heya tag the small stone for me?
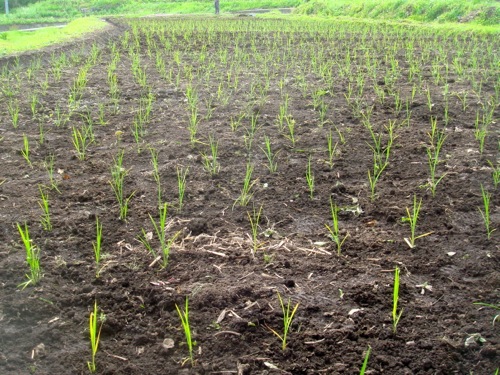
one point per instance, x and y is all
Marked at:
(168, 343)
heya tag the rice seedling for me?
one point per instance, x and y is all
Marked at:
(118, 174)
(271, 157)
(184, 317)
(331, 148)
(211, 162)
(26, 150)
(95, 335)
(160, 229)
(437, 138)
(44, 84)
(495, 173)
(60, 119)
(34, 104)
(283, 113)
(246, 195)
(101, 114)
(248, 140)
(365, 361)
(49, 167)
(310, 178)
(181, 184)
(480, 132)
(412, 217)
(290, 124)
(13, 109)
(380, 154)
(334, 231)
(341, 135)
(41, 130)
(32, 257)
(485, 212)
(44, 205)
(235, 122)
(287, 321)
(193, 125)
(396, 316)
(81, 141)
(254, 219)
(97, 246)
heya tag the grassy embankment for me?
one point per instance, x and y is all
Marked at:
(18, 41)
(481, 12)
(64, 10)
(477, 15)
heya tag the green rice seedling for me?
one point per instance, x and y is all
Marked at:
(290, 124)
(101, 114)
(81, 142)
(26, 150)
(480, 132)
(287, 321)
(118, 174)
(412, 217)
(248, 139)
(433, 152)
(334, 229)
(235, 122)
(271, 157)
(156, 173)
(495, 174)
(97, 246)
(138, 131)
(193, 123)
(331, 148)
(380, 154)
(254, 219)
(429, 99)
(283, 113)
(13, 108)
(310, 178)
(341, 135)
(95, 335)
(395, 298)
(462, 97)
(49, 166)
(44, 205)
(145, 239)
(34, 103)
(210, 108)
(161, 233)
(245, 194)
(485, 214)
(32, 257)
(211, 162)
(365, 361)
(181, 184)
(60, 118)
(41, 130)
(44, 84)
(184, 316)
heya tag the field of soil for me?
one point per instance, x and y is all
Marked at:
(180, 89)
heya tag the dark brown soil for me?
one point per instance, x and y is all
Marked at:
(344, 301)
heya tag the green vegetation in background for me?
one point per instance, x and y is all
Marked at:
(17, 41)
(15, 4)
(64, 10)
(484, 12)
(476, 12)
